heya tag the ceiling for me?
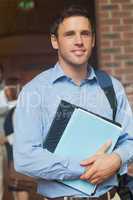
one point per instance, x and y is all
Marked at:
(15, 21)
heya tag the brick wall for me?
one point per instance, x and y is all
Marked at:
(115, 40)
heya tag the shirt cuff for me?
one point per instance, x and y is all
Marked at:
(124, 167)
(123, 155)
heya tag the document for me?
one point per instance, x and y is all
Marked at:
(82, 136)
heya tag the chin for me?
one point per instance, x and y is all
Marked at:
(81, 63)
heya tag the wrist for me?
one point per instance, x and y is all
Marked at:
(117, 159)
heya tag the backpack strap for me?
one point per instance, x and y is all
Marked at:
(106, 84)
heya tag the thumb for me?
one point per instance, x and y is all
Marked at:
(104, 148)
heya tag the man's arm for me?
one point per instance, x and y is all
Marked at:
(29, 155)
(100, 167)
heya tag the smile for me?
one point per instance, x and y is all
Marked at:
(78, 52)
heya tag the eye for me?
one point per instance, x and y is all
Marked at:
(86, 33)
(69, 33)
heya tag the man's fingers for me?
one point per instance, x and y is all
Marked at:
(95, 181)
(104, 148)
(88, 174)
(89, 161)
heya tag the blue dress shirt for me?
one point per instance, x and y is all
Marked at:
(36, 107)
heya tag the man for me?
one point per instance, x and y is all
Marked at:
(73, 80)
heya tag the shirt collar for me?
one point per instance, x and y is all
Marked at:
(58, 73)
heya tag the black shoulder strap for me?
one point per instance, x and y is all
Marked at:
(105, 83)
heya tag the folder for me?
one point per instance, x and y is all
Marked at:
(77, 133)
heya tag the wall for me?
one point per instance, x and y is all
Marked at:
(115, 43)
(24, 56)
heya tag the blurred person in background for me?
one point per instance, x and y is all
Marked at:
(11, 90)
(5, 104)
(2, 150)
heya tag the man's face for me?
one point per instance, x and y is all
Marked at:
(74, 41)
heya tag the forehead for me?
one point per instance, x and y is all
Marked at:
(75, 23)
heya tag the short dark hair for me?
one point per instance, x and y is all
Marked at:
(73, 10)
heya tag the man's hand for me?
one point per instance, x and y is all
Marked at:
(101, 166)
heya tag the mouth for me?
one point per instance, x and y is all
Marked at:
(78, 52)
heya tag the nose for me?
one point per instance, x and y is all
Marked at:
(78, 39)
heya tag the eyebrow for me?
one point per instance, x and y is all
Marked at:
(72, 32)
(89, 32)
(67, 33)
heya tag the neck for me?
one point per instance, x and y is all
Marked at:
(76, 73)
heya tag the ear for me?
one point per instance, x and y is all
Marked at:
(54, 42)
